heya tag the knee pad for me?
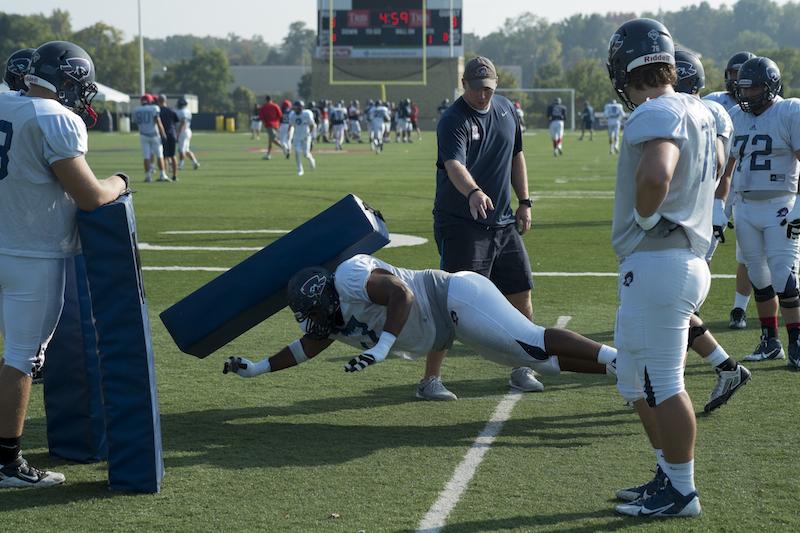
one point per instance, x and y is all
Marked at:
(763, 295)
(790, 297)
(695, 332)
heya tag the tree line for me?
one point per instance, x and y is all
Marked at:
(567, 53)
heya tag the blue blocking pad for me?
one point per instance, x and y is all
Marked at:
(76, 427)
(255, 289)
(133, 426)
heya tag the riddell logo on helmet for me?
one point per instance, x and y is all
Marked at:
(657, 58)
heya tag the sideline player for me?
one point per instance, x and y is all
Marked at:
(44, 179)
(661, 232)
(284, 127)
(727, 99)
(151, 131)
(337, 116)
(766, 213)
(614, 114)
(185, 134)
(378, 308)
(169, 120)
(354, 118)
(304, 129)
(556, 115)
(587, 120)
(378, 125)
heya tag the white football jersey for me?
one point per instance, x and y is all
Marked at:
(613, 112)
(184, 115)
(723, 98)
(37, 217)
(723, 123)
(764, 147)
(338, 115)
(688, 122)
(145, 117)
(380, 115)
(303, 123)
(364, 320)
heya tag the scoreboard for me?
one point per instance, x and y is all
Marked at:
(391, 28)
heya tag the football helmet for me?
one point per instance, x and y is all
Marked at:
(312, 297)
(181, 103)
(734, 64)
(17, 66)
(637, 43)
(691, 75)
(298, 105)
(758, 72)
(557, 100)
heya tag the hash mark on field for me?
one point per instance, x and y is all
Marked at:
(436, 517)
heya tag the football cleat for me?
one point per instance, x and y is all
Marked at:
(794, 356)
(19, 474)
(738, 319)
(645, 490)
(667, 502)
(728, 382)
(523, 379)
(768, 348)
(433, 389)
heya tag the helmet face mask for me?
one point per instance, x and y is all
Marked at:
(67, 70)
(313, 299)
(637, 43)
(757, 72)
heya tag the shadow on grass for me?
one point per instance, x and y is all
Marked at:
(603, 520)
(69, 493)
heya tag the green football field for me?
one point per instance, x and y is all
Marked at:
(313, 449)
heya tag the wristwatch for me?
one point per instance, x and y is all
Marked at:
(526, 201)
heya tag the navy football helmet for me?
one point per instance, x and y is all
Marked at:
(66, 69)
(313, 298)
(298, 105)
(758, 72)
(637, 43)
(17, 66)
(691, 74)
(734, 64)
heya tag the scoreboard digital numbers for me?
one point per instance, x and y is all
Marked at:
(393, 28)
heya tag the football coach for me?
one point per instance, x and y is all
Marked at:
(480, 170)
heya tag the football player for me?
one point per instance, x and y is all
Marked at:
(151, 131)
(727, 99)
(556, 115)
(354, 118)
(185, 134)
(614, 115)
(378, 125)
(283, 129)
(730, 374)
(17, 66)
(378, 308)
(766, 213)
(338, 115)
(661, 232)
(44, 179)
(304, 129)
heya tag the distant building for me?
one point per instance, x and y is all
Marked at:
(268, 79)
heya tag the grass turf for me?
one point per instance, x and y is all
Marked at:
(315, 449)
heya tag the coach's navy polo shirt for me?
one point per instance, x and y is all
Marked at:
(485, 144)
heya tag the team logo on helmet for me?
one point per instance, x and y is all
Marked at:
(615, 43)
(19, 65)
(685, 70)
(773, 74)
(654, 34)
(313, 286)
(77, 67)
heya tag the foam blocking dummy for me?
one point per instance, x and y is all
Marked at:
(255, 289)
(76, 428)
(130, 401)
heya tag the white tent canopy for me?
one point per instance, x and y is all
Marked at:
(107, 94)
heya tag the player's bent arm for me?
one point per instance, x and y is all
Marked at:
(291, 355)
(384, 288)
(654, 173)
(81, 184)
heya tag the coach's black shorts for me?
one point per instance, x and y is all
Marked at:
(497, 253)
(169, 145)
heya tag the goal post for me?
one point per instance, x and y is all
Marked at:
(563, 90)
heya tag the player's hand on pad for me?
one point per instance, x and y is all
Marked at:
(360, 362)
(240, 366)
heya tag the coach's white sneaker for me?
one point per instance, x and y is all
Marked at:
(523, 379)
(19, 474)
(433, 389)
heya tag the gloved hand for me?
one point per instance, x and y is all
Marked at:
(792, 221)
(240, 366)
(719, 220)
(360, 362)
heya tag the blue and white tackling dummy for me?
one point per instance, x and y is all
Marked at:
(378, 308)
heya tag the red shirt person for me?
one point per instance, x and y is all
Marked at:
(270, 114)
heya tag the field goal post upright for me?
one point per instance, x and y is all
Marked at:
(379, 83)
(550, 90)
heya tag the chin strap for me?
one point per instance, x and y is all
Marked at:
(89, 116)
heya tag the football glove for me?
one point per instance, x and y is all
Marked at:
(239, 366)
(719, 219)
(360, 362)
(792, 221)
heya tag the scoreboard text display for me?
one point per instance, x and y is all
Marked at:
(370, 28)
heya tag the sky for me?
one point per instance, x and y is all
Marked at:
(271, 18)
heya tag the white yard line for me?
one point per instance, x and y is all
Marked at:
(436, 518)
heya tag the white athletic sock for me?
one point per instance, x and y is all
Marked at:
(741, 301)
(717, 357)
(660, 461)
(606, 354)
(681, 475)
